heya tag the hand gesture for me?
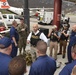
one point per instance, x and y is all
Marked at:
(55, 34)
(28, 41)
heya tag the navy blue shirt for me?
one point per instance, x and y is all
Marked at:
(68, 68)
(4, 62)
(14, 33)
(44, 65)
(72, 38)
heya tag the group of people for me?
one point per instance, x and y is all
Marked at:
(17, 65)
(18, 35)
(9, 48)
(58, 37)
(11, 64)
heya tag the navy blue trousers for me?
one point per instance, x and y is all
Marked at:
(69, 54)
(14, 50)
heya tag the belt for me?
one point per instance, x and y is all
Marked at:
(63, 40)
(54, 41)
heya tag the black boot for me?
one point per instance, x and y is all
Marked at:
(63, 56)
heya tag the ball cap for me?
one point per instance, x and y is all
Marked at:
(5, 42)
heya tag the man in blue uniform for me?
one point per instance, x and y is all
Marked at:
(44, 65)
(14, 37)
(68, 68)
(5, 50)
(72, 40)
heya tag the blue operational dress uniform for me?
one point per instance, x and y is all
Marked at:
(68, 68)
(14, 33)
(4, 62)
(5, 58)
(72, 41)
(44, 65)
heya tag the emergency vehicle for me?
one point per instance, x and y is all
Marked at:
(46, 18)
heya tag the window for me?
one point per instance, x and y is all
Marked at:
(10, 16)
(4, 16)
(16, 17)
